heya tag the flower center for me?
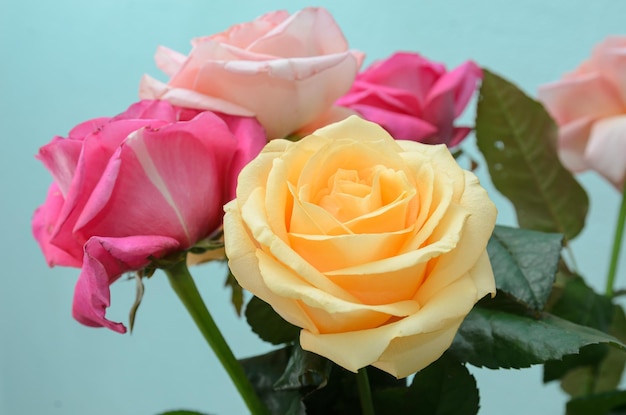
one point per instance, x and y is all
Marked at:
(351, 194)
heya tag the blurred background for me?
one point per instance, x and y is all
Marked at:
(66, 61)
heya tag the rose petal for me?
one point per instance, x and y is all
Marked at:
(456, 88)
(293, 85)
(150, 88)
(60, 157)
(588, 96)
(169, 61)
(472, 243)
(400, 126)
(255, 220)
(43, 224)
(329, 313)
(572, 143)
(243, 261)
(292, 37)
(425, 331)
(96, 151)
(606, 151)
(105, 260)
(152, 172)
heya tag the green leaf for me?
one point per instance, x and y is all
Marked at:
(236, 292)
(579, 304)
(445, 387)
(304, 371)
(516, 136)
(600, 404)
(270, 327)
(524, 263)
(602, 376)
(263, 371)
(495, 338)
(340, 395)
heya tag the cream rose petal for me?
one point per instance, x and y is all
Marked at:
(242, 260)
(255, 219)
(441, 315)
(473, 239)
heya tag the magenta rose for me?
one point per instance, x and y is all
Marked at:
(146, 183)
(589, 106)
(414, 98)
(286, 70)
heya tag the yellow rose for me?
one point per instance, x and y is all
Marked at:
(374, 247)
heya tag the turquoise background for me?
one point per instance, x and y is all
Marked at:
(63, 62)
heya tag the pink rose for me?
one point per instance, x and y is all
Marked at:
(286, 70)
(589, 106)
(414, 98)
(146, 183)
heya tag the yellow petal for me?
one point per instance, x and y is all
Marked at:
(437, 319)
(472, 243)
(330, 313)
(244, 265)
(328, 253)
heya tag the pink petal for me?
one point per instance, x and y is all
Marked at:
(461, 82)
(573, 138)
(243, 34)
(449, 97)
(43, 223)
(60, 157)
(149, 109)
(284, 94)
(169, 61)
(458, 135)
(172, 177)
(408, 72)
(96, 152)
(612, 65)
(384, 97)
(250, 141)
(83, 129)
(606, 151)
(150, 88)
(587, 95)
(308, 32)
(399, 126)
(105, 260)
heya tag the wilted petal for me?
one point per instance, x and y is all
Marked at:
(105, 260)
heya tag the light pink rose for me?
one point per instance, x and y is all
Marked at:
(147, 183)
(284, 69)
(414, 98)
(589, 106)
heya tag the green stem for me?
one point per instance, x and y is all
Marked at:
(617, 245)
(365, 393)
(184, 286)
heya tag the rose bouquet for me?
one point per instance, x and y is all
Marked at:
(372, 257)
